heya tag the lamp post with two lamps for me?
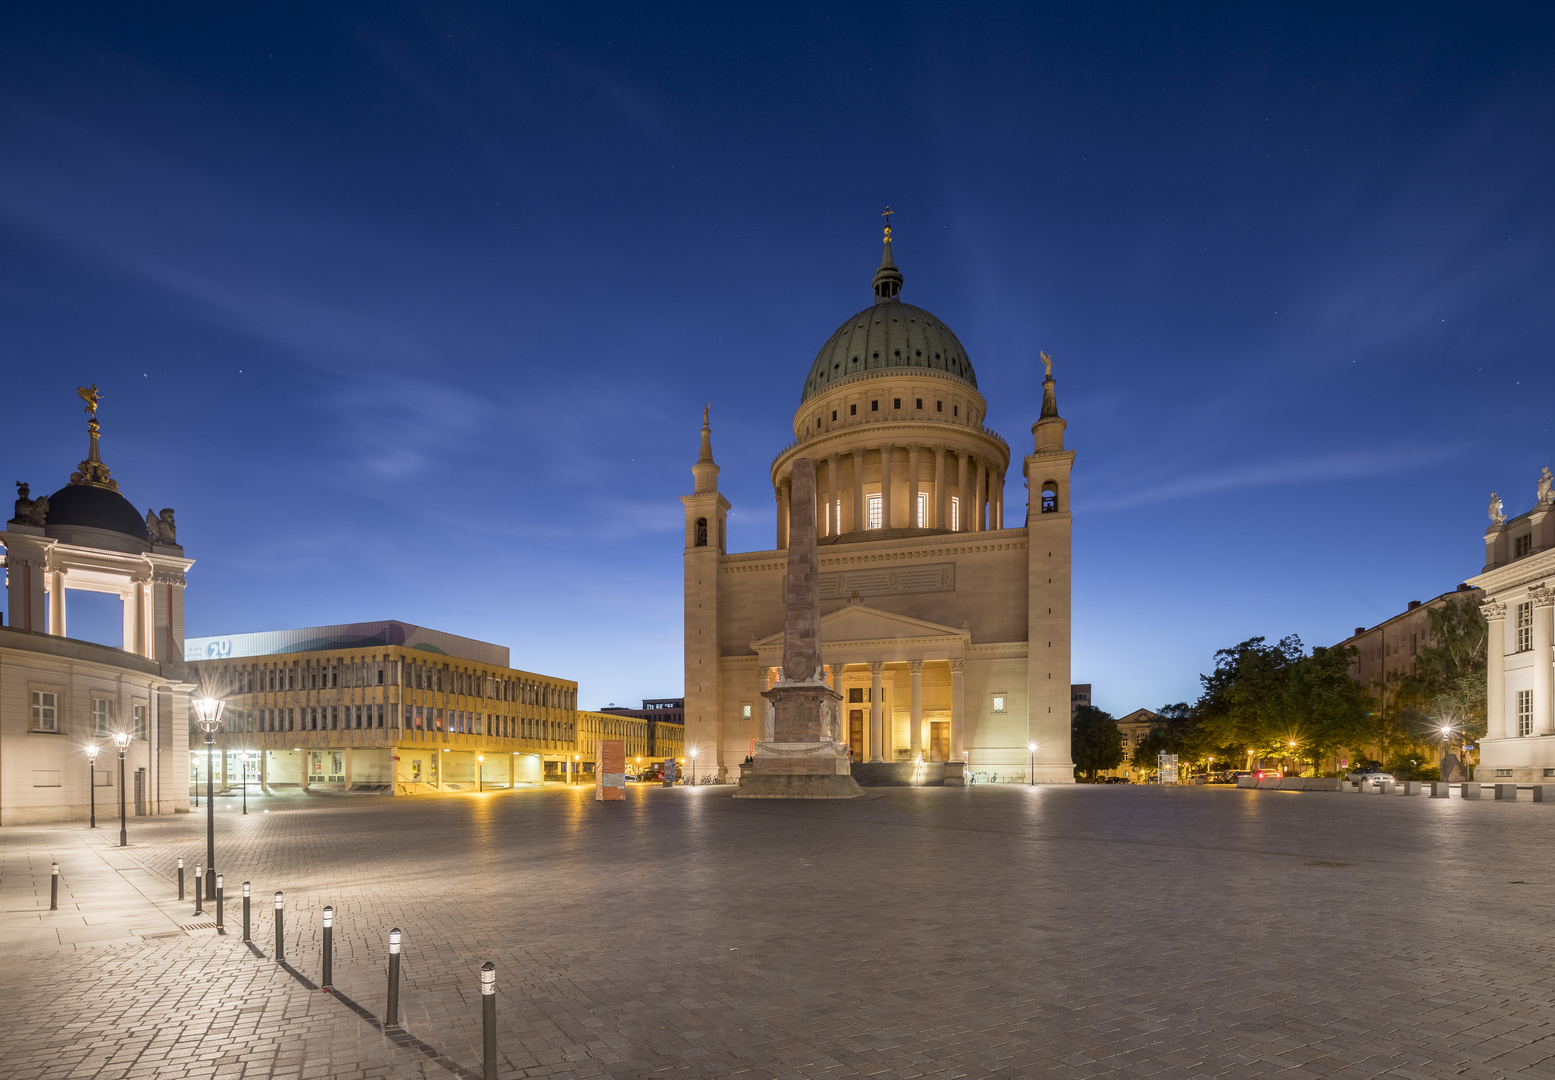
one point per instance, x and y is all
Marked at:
(208, 712)
(91, 778)
(122, 741)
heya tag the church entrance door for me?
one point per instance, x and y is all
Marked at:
(939, 740)
(856, 733)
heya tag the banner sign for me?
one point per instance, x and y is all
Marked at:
(669, 770)
(610, 771)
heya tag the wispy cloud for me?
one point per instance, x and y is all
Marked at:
(1280, 472)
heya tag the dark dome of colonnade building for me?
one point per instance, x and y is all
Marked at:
(888, 334)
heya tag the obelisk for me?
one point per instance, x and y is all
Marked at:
(801, 757)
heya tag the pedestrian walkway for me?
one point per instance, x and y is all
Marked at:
(106, 897)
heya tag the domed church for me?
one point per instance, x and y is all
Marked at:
(945, 624)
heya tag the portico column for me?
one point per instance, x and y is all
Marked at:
(961, 491)
(833, 515)
(915, 721)
(856, 511)
(941, 490)
(784, 488)
(957, 709)
(1496, 724)
(912, 487)
(885, 485)
(980, 497)
(875, 733)
(57, 603)
(998, 502)
(1543, 673)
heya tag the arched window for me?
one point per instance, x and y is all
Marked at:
(701, 540)
(1050, 497)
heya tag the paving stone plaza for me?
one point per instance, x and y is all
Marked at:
(988, 931)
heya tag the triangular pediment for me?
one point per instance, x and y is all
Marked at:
(860, 622)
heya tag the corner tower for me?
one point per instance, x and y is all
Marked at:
(707, 513)
(1049, 525)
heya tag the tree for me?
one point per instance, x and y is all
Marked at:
(1095, 743)
(1448, 682)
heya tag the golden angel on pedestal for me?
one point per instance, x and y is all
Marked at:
(91, 397)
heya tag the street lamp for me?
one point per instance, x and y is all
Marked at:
(91, 778)
(208, 711)
(479, 759)
(1033, 748)
(693, 753)
(245, 781)
(122, 741)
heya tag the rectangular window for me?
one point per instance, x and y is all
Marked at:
(955, 410)
(874, 512)
(1414, 644)
(102, 716)
(1523, 545)
(834, 416)
(896, 403)
(874, 406)
(853, 410)
(955, 514)
(138, 719)
(939, 406)
(1525, 712)
(1525, 626)
(855, 695)
(745, 712)
(923, 509)
(919, 404)
(998, 703)
(45, 710)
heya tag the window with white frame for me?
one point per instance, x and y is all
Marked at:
(998, 703)
(45, 710)
(1525, 712)
(1525, 626)
(955, 514)
(923, 509)
(875, 510)
(102, 716)
(138, 719)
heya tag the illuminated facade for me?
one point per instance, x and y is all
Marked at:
(384, 706)
(945, 620)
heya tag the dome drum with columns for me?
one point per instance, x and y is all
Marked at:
(945, 619)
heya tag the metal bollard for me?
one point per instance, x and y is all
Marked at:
(329, 949)
(391, 1015)
(199, 893)
(489, 1017)
(280, 916)
(245, 911)
(180, 879)
(221, 904)
(54, 888)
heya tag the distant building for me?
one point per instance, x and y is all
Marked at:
(1388, 650)
(384, 706)
(1134, 728)
(1079, 694)
(666, 720)
(1519, 668)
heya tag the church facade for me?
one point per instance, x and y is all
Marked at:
(945, 618)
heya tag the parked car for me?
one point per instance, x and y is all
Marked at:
(1116, 780)
(1370, 775)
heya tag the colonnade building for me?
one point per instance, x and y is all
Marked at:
(61, 697)
(945, 623)
(383, 706)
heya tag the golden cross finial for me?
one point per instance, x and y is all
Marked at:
(887, 216)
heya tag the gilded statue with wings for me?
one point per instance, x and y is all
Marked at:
(91, 397)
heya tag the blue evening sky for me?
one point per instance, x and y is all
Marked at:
(410, 311)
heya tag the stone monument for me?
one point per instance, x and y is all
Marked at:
(800, 755)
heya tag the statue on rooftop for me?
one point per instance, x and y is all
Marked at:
(1497, 512)
(29, 511)
(162, 529)
(1546, 482)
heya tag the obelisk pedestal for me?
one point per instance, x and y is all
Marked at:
(800, 756)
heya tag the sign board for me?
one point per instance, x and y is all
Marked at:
(669, 770)
(1168, 766)
(610, 771)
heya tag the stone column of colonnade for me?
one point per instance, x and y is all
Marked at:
(912, 487)
(856, 510)
(1543, 672)
(1497, 725)
(784, 493)
(941, 510)
(915, 715)
(876, 722)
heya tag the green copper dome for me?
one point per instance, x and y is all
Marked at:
(888, 334)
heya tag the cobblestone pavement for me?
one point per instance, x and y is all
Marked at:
(991, 931)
